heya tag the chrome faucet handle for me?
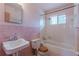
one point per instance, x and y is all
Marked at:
(15, 36)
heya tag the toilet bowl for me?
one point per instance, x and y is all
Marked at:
(36, 44)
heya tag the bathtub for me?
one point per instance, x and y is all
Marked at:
(54, 50)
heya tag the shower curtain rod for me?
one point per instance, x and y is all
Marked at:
(58, 10)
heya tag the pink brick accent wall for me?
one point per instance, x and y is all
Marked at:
(25, 32)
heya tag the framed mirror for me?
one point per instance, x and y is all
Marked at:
(13, 13)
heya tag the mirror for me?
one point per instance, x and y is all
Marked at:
(13, 13)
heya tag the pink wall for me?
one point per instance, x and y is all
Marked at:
(25, 31)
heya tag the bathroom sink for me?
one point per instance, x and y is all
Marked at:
(14, 46)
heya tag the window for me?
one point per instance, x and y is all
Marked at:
(42, 24)
(61, 19)
(53, 20)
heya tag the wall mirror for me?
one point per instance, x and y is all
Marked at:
(13, 13)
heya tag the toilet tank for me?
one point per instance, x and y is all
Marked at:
(35, 43)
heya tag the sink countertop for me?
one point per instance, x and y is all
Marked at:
(14, 46)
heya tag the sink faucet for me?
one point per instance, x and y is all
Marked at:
(13, 37)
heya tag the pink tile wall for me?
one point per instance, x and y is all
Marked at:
(24, 32)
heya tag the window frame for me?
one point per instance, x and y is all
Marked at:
(57, 19)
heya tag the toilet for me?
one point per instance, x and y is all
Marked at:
(38, 45)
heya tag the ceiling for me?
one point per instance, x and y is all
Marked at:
(45, 6)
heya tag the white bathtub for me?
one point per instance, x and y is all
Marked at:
(59, 51)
